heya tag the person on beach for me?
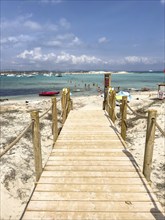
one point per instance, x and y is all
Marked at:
(99, 90)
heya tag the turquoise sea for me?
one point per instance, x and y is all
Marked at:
(30, 85)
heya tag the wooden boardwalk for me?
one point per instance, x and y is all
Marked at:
(90, 175)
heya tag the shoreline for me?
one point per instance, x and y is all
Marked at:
(82, 92)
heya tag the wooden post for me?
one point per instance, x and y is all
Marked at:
(107, 83)
(54, 120)
(113, 104)
(123, 113)
(36, 143)
(149, 144)
(68, 101)
(108, 104)
(63, 104)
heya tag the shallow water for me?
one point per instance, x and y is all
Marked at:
(18, 86)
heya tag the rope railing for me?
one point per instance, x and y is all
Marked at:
(36, 131)
(160, 129)
(151, 126)
(143, 116)
(15, 141)
(137, 114)
(149, 143)
(41, 116)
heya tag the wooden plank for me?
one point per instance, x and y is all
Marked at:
(90, 188)
(91, 163)
(88, 137)
(108, 142)
(36, 215)
(90, 174)
(90, 145)
(86, 153)
(84, 130)
(94, 180)
(88, 142)
(91, 158)
(97, 206)
(93, 196)
(91, 168)
(82, 150)
(84, 115)
(89, 122)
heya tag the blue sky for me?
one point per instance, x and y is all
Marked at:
(87, 34)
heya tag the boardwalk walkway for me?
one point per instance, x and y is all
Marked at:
(90, 175)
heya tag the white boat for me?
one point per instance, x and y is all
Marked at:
(58, 74)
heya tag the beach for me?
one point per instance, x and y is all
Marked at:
(17, 165)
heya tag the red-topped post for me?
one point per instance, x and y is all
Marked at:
(107, 84)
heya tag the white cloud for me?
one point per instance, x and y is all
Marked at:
(26, 54)
(75, 41)
(136, 59)
(65, 37)
(64, 23)
(9, 40)
(32, 25)
(25, 24)
(16, 39)
(162, 1)
(37, 55)
(72, 59)
(53, 43)
(133, 60)
(65, 40)
(102, 40)
(51, 27)
(15, 23)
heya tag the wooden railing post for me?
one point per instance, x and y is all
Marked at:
(68, 101)
(123, 112)
(108, 103)
(63, 104)
(36, 143)
(113, 104)
(54, 120)
(149, 144)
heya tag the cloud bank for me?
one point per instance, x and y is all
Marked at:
(37, 56)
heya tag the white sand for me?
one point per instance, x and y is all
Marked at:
(17, 166)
